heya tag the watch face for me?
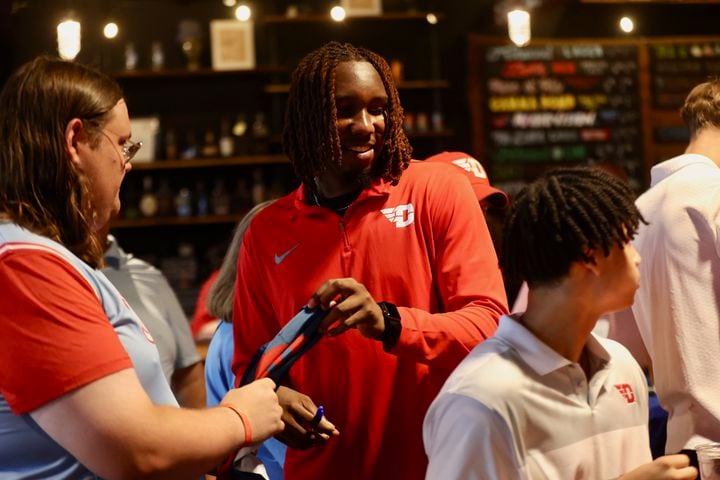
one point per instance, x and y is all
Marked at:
(390, 310)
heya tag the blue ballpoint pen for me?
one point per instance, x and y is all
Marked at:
(318, 416)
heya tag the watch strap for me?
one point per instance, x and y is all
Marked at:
(393, 325)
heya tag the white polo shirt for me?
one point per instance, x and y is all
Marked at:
(514, 408)
(677, 307)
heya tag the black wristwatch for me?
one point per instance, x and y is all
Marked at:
(392, 325)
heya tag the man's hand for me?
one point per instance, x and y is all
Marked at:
(260, 403)
(351, 306)
(668, 467)
(298, 412)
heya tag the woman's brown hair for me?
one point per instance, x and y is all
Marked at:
(40, 188)
(220, 298)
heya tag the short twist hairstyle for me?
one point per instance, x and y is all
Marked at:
(310, 137)
(559, 218)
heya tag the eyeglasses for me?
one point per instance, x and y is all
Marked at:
(129, 148)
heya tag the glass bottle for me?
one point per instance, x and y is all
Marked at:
(187, 266)
(240, 131)
(171, 148)
(227, 144)
(258, 187)
(219, 198)
(149, 204)
(157, 56)
(191, 148)
(131, 57)
(130, 202)
(166, 202)
(260, 133)
(202, 203)
(183, 202)
(210, 146)
(242, 198)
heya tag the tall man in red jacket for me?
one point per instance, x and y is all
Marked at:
(397, 251)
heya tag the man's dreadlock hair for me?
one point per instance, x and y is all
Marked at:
(310, 137)
(558, 218)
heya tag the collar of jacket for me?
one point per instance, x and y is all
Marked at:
(377, 188)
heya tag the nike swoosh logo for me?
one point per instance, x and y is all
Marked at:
(280, 258)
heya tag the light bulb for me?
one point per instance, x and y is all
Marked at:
(229, 3)
(243, 13)
(337, 14)
(627, 25)
(519, 27)
(68, 39)
(431, 18)
(110, 30)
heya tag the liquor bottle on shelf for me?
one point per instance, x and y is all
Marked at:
(227, 144)
(210, 146)
(131, 57)
(437, 120)
(276, 189)
(130, 202)
(409, 122)
(157, 56)
(191, 147)
(181, 271)
(183, 202)
(422, 122)
(148, 202)
(241, 197)
(260, 134)
(258, 188)
(166, 202)
(202, 203)
(240, 132)
(219, 198)
(171, 148)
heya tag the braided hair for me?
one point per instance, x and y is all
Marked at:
(310, 137)
(555, 220)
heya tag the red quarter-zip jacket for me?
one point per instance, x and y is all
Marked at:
(423, 245)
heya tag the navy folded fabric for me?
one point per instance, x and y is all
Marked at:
(274, 359)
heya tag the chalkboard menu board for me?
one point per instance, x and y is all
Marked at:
(553, 104)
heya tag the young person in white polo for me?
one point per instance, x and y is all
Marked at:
(545, 398)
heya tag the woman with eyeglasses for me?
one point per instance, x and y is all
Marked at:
(82, 392)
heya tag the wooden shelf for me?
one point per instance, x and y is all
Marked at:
(404, 85)
(319, 17)
(199, 73)
(175, 221)
(210, 162)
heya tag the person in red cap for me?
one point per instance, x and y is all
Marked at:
(492, 200)
(487, 195)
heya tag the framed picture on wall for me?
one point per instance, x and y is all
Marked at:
(361, 7)
(232, 45)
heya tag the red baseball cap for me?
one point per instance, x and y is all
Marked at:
(477, 176)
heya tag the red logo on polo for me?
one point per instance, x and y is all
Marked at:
(626, 391)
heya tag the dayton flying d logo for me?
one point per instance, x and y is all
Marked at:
(401, 216)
